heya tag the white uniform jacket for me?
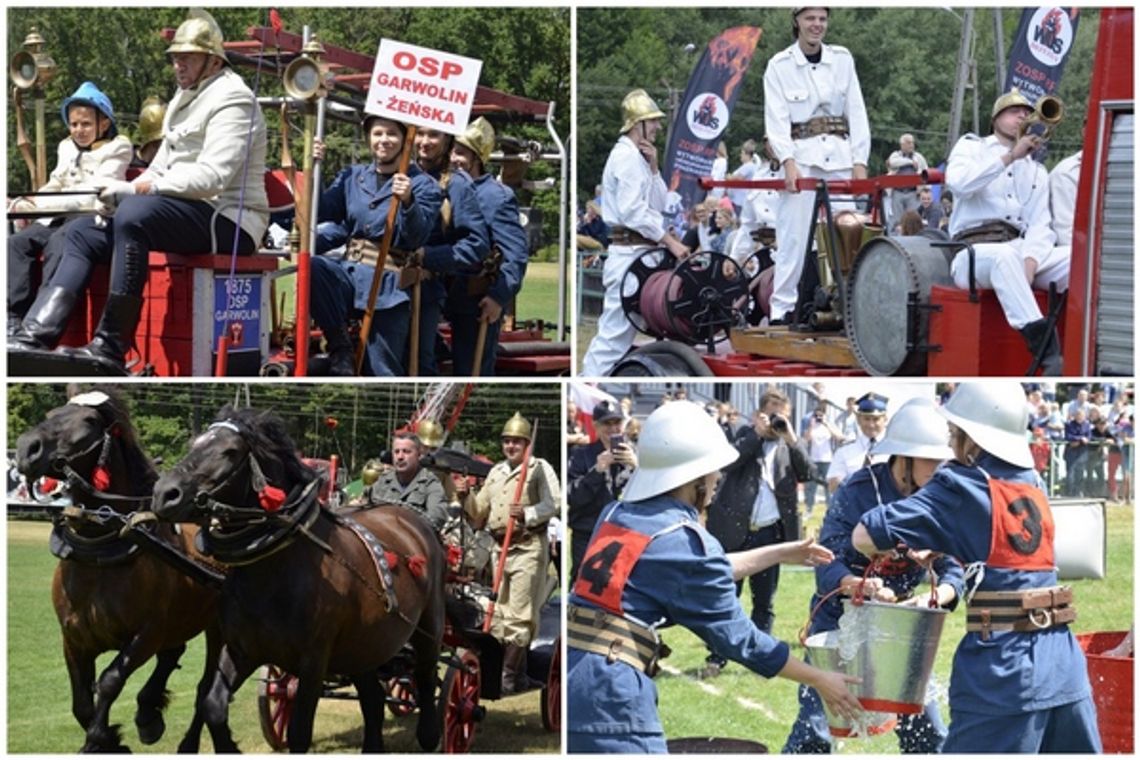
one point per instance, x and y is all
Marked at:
(541, 496)
(208, 152)
(986, 190)
(851, 457)
(796, 90)
(632, 196)
(77, 169)
(1063, 182)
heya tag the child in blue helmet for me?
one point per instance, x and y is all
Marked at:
(93, 152)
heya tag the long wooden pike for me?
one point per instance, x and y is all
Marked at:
(502, 564)
(385, 245)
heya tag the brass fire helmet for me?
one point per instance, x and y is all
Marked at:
(198, 34)
(638, 106)
(430, 433)
(517, 427)
(371, 472)
(150, 120)
(480, 138)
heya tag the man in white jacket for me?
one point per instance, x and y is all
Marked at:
(817, 126)
(1001, 206)
(633, 199)
(206, 179)
(93, 152)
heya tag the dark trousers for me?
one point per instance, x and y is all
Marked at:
(145, 223)
(1076, 462)
(24, 268)
(432, 296)
(333, 295)
(464, 336)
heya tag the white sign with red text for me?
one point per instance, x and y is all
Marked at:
(425, 87)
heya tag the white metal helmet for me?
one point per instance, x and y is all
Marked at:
(679, 443)
(993, 413)
(917, 430)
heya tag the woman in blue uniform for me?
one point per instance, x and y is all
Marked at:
(650, 564)
(358, 199)
(916, 444)
(1019, 681)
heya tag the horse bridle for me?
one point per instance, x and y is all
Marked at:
(210, 503)
(63, 465)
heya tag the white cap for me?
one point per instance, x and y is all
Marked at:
(679, 443)
(993, 413)
(917, 430)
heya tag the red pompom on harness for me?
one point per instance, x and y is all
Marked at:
(417, 564)
(271, 498)
(100, 478)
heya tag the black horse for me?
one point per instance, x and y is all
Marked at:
(311, 592)
(109, 594)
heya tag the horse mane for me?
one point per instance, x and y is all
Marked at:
(268, 436)
(114, 412)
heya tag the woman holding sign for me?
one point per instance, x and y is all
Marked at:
(358, 199)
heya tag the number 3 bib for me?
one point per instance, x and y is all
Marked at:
(1022, 529)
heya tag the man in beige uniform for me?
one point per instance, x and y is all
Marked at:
(517, 607)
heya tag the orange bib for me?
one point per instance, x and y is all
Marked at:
(1021, 536)
(609, 559)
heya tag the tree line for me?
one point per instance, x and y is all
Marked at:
(353, 421)
(906, 59)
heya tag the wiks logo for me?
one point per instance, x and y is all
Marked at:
(707, 115)
(1049, 35)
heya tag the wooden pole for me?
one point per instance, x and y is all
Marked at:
(501, 565)
(385, 245)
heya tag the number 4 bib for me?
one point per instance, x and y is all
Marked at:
(610, 557)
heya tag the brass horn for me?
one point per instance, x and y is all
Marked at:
(1048, 113)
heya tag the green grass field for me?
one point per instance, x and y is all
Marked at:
(39, 701)
(742, 705)
(538, 298)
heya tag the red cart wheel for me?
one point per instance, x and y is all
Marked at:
(401, 695)
(459, 708)
(552, 692)
(276, 691)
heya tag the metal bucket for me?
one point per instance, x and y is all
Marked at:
(892, 648)
(823, 649)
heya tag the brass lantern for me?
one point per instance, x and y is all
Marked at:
(32, 68)
(304, 77)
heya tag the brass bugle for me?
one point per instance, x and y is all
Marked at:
(1048, 113)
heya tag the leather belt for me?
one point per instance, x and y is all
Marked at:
(626, 236)
(479, 284)
(764, 235)
(367, 252)
(820, 125)
(990, 232)
(615, 638)
(1027, 611)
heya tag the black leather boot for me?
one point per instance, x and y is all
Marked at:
(115, 334)
(45, 321)
(1037, 335)
(342, 360)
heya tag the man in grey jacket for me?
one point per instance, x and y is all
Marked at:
(409, 484)
(204, 192)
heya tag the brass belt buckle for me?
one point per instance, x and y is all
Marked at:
(615, 647)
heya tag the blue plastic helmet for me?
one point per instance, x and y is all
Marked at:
(90, 95)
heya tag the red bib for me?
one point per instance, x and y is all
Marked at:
(609, 559)
(1021, 536)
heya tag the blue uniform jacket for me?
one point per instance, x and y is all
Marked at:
(682, 578)
(856, 496)
(501, 212)
(357, 201)
(1012, 672)
(464, 244)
